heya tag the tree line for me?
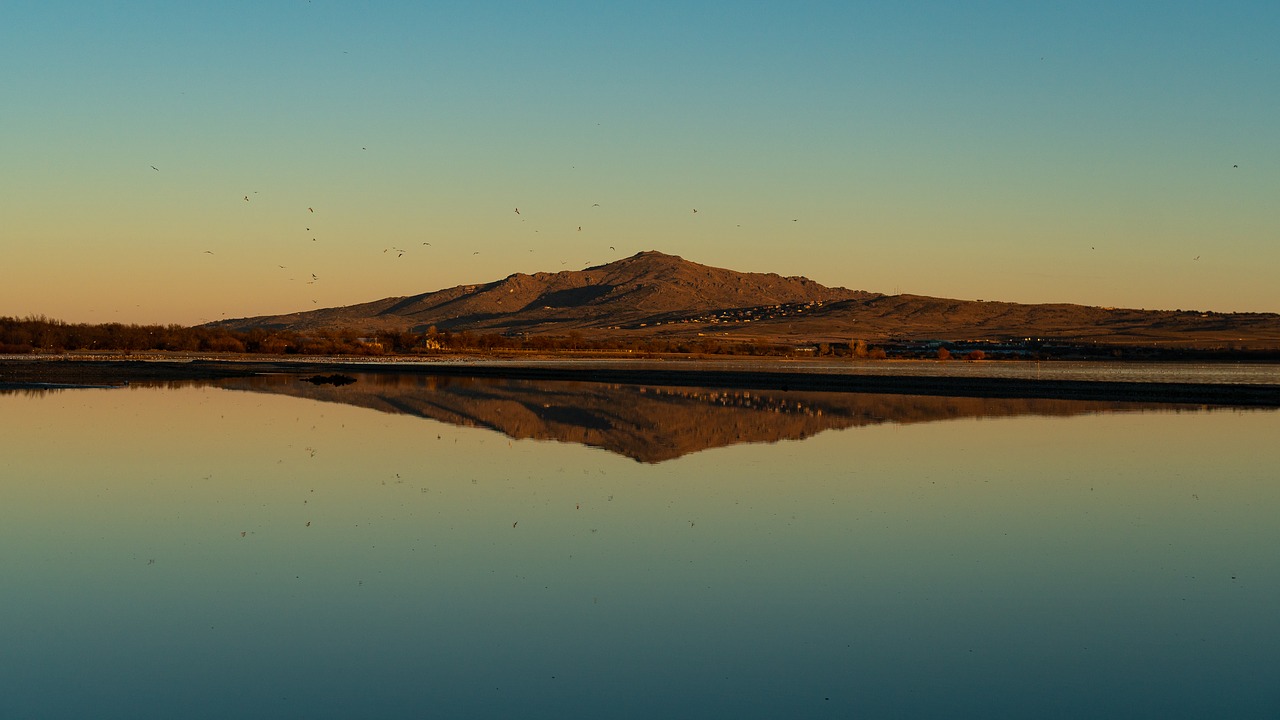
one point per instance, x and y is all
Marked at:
(39, 334)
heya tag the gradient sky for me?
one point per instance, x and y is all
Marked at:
(1034, 152)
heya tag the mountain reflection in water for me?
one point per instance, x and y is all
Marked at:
(653, 424)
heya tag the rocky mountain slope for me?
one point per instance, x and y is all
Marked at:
(652, 293)
(629, 293)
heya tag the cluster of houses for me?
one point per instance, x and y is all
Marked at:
(743, 315)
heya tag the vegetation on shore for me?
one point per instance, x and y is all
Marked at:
(42, 335)
(45, 335)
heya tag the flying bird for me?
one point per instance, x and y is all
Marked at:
(153, 167)
(208, 252)
(595, 204)
(246, 198)
(311, 209)
(517, 211)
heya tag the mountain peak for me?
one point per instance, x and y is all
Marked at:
(647, 287)
(654, 293)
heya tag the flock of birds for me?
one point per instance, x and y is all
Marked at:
(400, 252)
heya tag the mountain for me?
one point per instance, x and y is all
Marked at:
(634, 292)
(652, 293)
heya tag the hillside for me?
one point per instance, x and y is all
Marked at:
(629, 293)
(654, 294)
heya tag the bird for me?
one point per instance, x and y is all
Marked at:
(426, 243)
(595, 204)
(477, 252)
(612, 247)
(1196, 257)
(695, 210)
(208, 252)
(153, 167)
(1235, 166)
(246, 198)
(311, 209)
(517, 211)
(579, 228)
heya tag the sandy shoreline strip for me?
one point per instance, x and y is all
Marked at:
(60, 373)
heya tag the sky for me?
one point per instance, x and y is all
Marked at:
(1118, 154)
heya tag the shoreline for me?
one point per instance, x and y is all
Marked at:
(33, 373)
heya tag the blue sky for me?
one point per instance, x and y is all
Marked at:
(1081, 152)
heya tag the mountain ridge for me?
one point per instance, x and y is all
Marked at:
(647, 285)
(656, 294)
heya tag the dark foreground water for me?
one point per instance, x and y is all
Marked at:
(406, 547)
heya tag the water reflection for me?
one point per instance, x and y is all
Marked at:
(653, 424)
(192, 552)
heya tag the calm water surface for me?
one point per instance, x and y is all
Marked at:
(491, 549)
(1168, 372)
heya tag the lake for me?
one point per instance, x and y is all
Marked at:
(446, 547)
